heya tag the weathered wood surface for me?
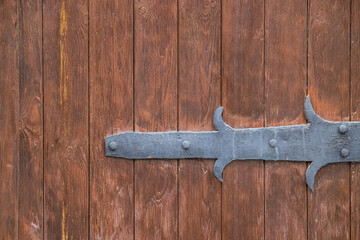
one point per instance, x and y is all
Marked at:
(285, 80)
(111, 111)
(199, 60)
(155, 86)
(355, 114)
(328, 84)
(243, 101)
(73, 72)
(9, 117)
(66, 117)
(31, 121)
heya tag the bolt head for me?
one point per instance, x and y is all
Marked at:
(273, 143)
(112, 146)
(185, 145)
(344, 152)
(343, 129)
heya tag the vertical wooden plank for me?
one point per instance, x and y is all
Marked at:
(329, 26)
(111, 111)
(31, 121)
(155, 110)
(9, 109)
(355, 114)
(66, 119)
(285, 91)
(243, 97)
(199, 96)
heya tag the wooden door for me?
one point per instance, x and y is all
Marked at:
(74, 72)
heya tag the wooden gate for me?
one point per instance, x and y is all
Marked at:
(73, 72)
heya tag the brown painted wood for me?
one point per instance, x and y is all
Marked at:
(156, 110)
(31, 121)
(199, 96)
(329, 31)
(285, 80)
(111, 111)
(242, 98)
(66, 119)
(9, 116)
(355, 114)
(169, 199)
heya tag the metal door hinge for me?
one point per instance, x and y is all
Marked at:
(320, 142)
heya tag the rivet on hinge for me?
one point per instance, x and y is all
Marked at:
(343, 129)
(186, 145)
(344, 152)
(112, 146)
(273, 143)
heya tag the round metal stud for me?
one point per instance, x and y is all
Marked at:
(112, 146)
(344, 152)
(185, 145)
(343, 129)
(273, 143)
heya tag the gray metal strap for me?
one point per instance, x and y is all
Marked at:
(320, 142)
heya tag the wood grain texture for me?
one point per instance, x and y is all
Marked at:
(242, 98)
(156, 110)
(9, 116)
(58, 101)
(285, 81)
(355, 114)
(199, 96)
(328, 83)
(31, 121)
(66, 119)
(111, 111)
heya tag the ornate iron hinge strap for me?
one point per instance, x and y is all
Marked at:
(320, 142)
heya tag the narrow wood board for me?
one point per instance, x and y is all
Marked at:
(31, 121)
(243, 101)
(66, 119)
(155, 86)
(328, 83)
(199, 96)
(111, 111)
(355, 114)
(285, 81)
(9, 117)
